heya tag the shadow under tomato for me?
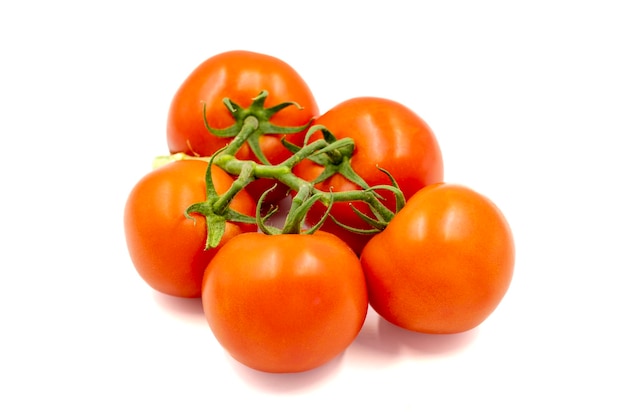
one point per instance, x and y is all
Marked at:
(422, 343)
(280, 383)
(183, 308)
(382, 343)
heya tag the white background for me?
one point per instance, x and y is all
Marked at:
(527, 99)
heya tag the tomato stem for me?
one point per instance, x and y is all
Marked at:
(283, 173)
(249, 126)
(331, 153)
(295, 217)
(245, 177)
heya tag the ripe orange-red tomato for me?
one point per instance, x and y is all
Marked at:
(386, 134)
(167, 248)
(285, 303)
(239, 76)
(443, 264)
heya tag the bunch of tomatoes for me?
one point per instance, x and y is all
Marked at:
(369, 220)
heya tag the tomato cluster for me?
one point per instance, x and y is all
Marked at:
(371, 220)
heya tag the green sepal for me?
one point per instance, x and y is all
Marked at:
(293, 148)
(216, 227)
(228, 132)
(380, 222)
(216, 223)
(395, 189)
(234, 216)
(263, 115)
(377, 224)
(216, 209)
(355, 229)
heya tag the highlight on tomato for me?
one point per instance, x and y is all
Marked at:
(285, 303)
(239, 76)
(166, 247)
(443, 264)
(386, 135)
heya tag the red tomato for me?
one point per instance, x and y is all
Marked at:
(285, 303)
(166, 247)
(443, 264)
(386, 134)
(240, 76)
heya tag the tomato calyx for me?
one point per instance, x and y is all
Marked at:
(381, 217)
(335, 158)
(216, 208)
(252, 123)
(295, 218)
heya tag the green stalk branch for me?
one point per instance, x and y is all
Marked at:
(333, 154)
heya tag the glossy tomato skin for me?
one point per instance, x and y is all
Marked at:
(285, 303)
(443, 264)
(240, 76)
(166, 248)
(388, 135)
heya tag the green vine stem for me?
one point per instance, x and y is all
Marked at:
(334, 154)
